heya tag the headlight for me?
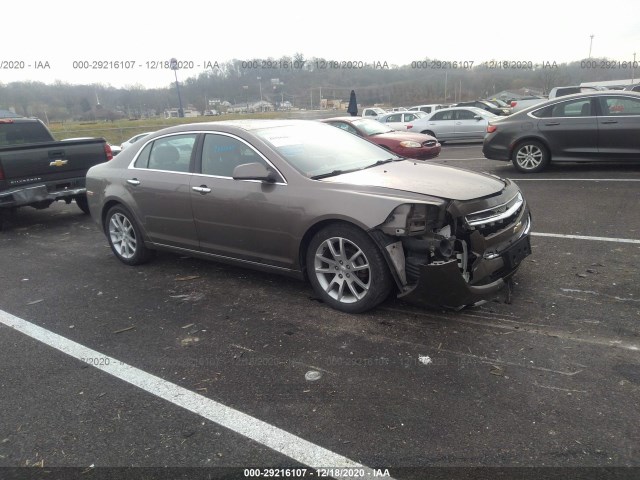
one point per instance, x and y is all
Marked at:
(410, 144)
(413, 219)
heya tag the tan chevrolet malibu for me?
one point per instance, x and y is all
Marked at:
(308, 200)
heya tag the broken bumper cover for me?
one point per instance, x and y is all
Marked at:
(442, 284)
(33, 194)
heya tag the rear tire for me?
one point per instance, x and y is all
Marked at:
(125, 237)
(347, 269)
(530, 156)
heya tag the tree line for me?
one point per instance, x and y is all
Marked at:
(301, 83)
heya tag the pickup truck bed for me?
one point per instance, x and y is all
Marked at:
(36, 170)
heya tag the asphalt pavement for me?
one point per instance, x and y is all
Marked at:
(549, 377)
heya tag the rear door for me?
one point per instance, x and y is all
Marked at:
(570, 128)
(442, 124)
(467, 126)
(159, 183)
(394, 122)
(618, 127)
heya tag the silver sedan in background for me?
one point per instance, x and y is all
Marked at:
(401, 120)
(455, 123)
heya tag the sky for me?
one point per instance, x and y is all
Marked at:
(75, 43)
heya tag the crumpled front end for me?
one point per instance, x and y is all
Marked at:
(459, 253)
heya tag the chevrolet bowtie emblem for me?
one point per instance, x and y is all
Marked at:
(58, 163)
(517, 227)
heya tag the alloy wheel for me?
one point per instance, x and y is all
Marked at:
(342, 270)
(123, 236)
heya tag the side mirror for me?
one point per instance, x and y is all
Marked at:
(478, 117)
(254, 171)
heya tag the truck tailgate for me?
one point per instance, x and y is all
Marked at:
(27, 164)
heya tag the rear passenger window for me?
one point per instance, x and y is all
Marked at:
(143, 158)
(576, 108)
(171, 153)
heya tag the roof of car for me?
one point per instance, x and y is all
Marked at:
(346, 119)
(248, 124)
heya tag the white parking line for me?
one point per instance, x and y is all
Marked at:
(279, 440)
(585, 237)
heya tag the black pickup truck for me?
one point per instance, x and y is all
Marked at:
(36, 170)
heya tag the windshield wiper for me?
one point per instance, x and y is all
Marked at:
(333, 173)
(382, 162)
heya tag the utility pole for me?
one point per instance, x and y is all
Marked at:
(633, 68)
(591, 44)
(445, 86)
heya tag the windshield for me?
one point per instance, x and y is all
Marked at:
(483, 113)
(498, 102)
(317, 149)
(371, 127)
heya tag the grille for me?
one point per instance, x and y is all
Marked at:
(497, 218)
(429, 143)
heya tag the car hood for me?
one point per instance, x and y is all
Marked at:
(401, 136)
(426, 179)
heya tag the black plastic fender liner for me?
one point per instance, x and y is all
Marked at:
(442, 285)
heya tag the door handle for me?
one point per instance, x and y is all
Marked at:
(133, 181)
(607, 122)
(552, 123)
(203, 189)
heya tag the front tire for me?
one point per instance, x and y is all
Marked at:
(125, 238)
(347, 270)
(530, 156)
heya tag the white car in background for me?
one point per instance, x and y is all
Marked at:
(430, 108)
(457, 123)
(400, 120)
(134, 139)
(373, 112)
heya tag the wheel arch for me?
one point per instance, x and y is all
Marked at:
(316, 227)
(112, 202)
(535, 138)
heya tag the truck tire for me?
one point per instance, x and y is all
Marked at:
(83, 203)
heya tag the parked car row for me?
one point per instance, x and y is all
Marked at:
(406, 144)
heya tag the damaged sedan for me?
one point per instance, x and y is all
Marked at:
(311, 201)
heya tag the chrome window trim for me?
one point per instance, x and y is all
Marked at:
(132, 163)
(620, 95)
(252, 148)
(220, 177)
(197, 132)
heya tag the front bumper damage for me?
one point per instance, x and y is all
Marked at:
(463, 257)
(443, 285)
